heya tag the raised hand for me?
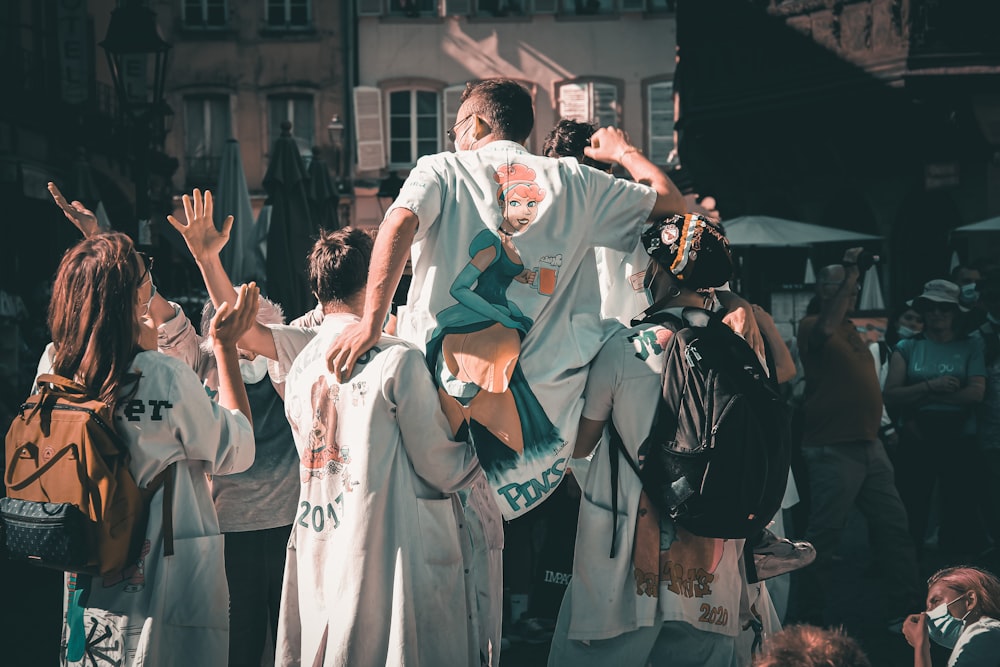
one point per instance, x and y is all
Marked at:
(608, 144)
(231, 322)
(200, 234)
(81, 217)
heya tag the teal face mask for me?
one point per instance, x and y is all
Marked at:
(942, 627)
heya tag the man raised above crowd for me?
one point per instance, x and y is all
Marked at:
(498, 238)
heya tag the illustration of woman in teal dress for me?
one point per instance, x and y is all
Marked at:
(475, 349)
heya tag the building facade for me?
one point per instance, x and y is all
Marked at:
(242, 67)
(609, 62)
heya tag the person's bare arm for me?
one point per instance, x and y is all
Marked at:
(784, 365)
(833, 311)
(611, 145)
(970, 394)
(206, 243)
(392, 247)
(897, 393)
(228, 325)
(740, 318)
(589, 434)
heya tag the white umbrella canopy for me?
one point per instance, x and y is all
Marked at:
(871, 292)
(990, 225)
(764, 231)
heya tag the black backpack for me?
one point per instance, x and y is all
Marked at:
(718, 453)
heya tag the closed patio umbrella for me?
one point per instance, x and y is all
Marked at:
(291, 230)
(322, 195)
(232, 197)
(871, 292)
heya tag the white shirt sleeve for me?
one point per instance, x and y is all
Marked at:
(177, 338)
(421, 193)
(618, 208)
(441, 461)
(221, 438)
(604, 374)
(288, 341)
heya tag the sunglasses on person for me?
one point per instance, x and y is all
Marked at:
(147, 264)
(451, 132)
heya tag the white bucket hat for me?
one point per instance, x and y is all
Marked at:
(941, 291)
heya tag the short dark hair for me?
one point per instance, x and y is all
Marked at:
(338, 264)
(505, 105)
(568, 139)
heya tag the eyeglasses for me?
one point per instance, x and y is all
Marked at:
(451, 132)
(147, 263)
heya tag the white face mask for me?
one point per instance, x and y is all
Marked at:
(906, 332)
(253, 371)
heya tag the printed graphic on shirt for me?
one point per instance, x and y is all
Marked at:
(323, 455)
(104, 642)
(474, 352)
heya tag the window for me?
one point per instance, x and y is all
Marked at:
(588, 7)
(206, 129)
(298, 110)
(414, 126)
(501, 8)
(660, 123)
(289, 13)
(590, 101)
(204, 13)
(413, 8)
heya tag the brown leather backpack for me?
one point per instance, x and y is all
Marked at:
(72, 503)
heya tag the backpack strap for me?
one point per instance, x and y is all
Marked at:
(165, 479)
(614, 445)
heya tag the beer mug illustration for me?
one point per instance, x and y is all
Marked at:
(545, 274)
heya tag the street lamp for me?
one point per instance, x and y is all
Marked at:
(133, 46)
(335, 132)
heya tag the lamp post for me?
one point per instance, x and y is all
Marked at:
(134, 47)
(341, 180)
(335, 132)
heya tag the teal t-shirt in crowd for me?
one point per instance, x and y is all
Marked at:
(925, 360)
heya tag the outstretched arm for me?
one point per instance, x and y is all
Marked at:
(392, 247)
(160, 310)
(609, 144)
(206, 243)
(228, 325)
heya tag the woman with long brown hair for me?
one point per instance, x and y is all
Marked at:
(160, 610)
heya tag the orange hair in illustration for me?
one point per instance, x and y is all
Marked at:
(517, 180)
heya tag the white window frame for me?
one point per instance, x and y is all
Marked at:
(203, 24)
(414, 138)
(287, 25)
(649, 122)
(577, 99)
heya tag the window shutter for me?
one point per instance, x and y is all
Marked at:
(457, 7)
(452, 99)
(660, 98)
(633, 5)
(368, 128)
(574, 102)
(546, 6)
(370, 8)
(605, 104)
